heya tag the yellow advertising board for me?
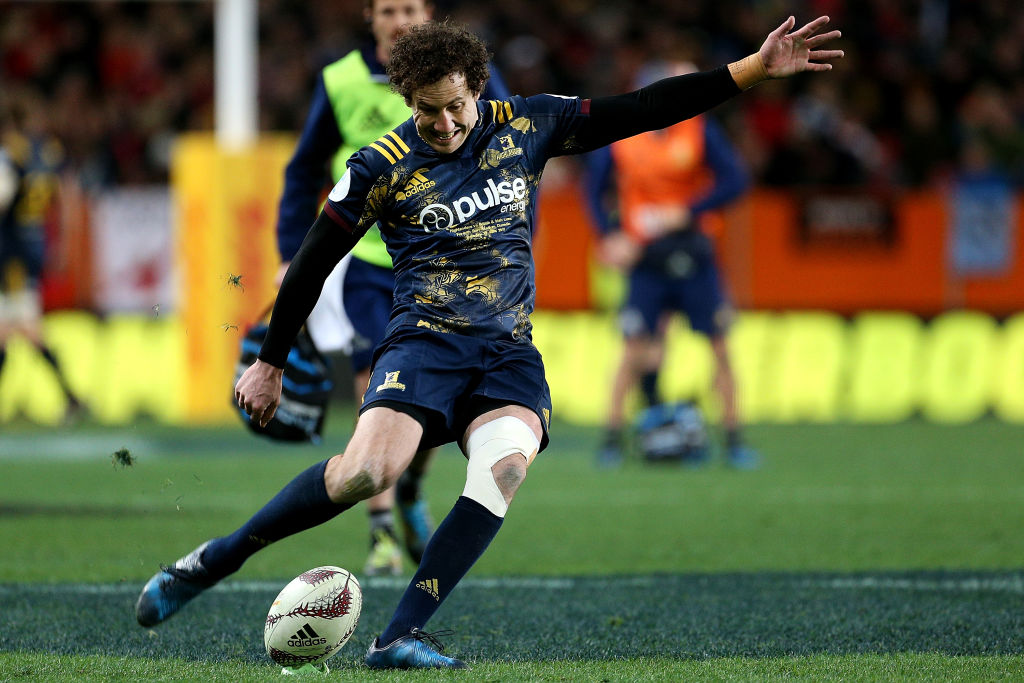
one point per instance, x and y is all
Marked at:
(225, 213)
(797, 367)
(791, 367)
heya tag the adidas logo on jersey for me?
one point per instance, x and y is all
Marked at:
(305, 637)
(417, 183)
(430, 586)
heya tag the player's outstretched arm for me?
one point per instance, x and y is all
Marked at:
(671, 100)
(786, 52)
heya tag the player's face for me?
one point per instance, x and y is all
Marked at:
(444, 112)
(390, 19)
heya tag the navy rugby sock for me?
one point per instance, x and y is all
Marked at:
(381, 520)
(48, 356)
(649, 388)
(302, 504)
(457, 544)
(407, 490)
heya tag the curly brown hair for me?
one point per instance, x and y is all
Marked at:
(431, 51)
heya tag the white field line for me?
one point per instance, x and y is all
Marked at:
(967, 584)
(80, 447)
(1006, 584)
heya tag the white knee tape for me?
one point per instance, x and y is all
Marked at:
(487, 446)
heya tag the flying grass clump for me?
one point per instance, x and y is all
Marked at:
(235, 281)
(122, 458)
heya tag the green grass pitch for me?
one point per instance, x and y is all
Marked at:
(856, 553)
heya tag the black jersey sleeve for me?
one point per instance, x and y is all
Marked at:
(659, 105)
(325, 244)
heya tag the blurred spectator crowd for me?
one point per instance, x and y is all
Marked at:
(929, 89)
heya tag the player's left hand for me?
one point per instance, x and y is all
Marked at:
(258, 391)
(784, 53)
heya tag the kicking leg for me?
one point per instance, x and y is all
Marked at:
(381, 447)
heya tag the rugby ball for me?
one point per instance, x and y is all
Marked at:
(313, 616)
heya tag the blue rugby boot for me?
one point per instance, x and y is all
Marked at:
(172, 587)
(609, 456)
(417, 527)
(610, 453)
(411, 652)
(385, 558)
(743, 458)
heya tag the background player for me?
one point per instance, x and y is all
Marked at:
(31, 162)
(458, 363)
(667, 181)
(352, 106)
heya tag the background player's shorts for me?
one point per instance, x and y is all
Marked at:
(677, 274)
(362, 289)
(368, 296)
(450, 379)
(328, 326)
(20, 307)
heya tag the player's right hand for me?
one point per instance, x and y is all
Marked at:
(258, 391)
(618, 250)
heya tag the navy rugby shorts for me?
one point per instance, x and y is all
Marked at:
(699, 296)
(447, 380)
(677, 272)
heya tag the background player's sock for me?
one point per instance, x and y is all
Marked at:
(733, 438)
(407, 490)
(613, 437)
(302, 504)
(3, 357)
(649, 388)
(47, 354)
(382, 520)
(457, 544)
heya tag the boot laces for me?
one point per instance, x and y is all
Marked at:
(434, 637)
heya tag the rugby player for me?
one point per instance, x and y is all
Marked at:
(31, 164)
(352, 106)
(667, 182)
(457, 363)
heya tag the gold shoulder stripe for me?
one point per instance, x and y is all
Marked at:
(502, 111)
(394, 136)
(383, 151)
(390, 145)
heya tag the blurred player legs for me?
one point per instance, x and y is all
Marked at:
(667, 182)
(31, 163)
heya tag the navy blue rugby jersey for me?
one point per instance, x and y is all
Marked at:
(459, 226)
